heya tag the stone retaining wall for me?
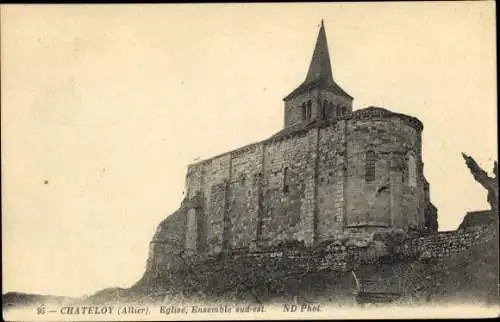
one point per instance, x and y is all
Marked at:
(229, 272)
(443, 244)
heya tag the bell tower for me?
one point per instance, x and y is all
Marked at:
(319, 97)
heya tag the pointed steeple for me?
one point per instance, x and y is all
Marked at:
(320, 67)
(319, 73)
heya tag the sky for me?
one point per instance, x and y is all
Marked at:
(104, 106)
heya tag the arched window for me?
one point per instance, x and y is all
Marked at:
(285, 180)
(308, 110)
(370, 166)
(412, 170)
(304, 114)
(323, 111)
(344, 110)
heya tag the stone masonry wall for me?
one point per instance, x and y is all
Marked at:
(330, 182)
(387, 200)
(229, 199)
(168, 241)
(293, 109)
(308, 186)
(445, 243)
(260, 267)
(337, 101)
(243, 190)
(288, 212)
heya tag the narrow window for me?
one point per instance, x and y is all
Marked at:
(337, 110)
(344, 110)
(370, 166)
(285, 180)
(308, 111)
(323, 111)
(330, 110)
(304, 113)
(412, 170)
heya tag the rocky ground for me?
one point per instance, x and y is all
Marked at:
(470, 277)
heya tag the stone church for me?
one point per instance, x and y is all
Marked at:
(329, 173)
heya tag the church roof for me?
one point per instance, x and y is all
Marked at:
(296, 128)
(363, 113)
(373, 110)
(319, 74)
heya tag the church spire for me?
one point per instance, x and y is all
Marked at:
(320, 67)
(319, 73)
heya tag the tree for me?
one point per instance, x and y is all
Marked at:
(489, 183)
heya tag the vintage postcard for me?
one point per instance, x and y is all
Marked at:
(249, 161)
